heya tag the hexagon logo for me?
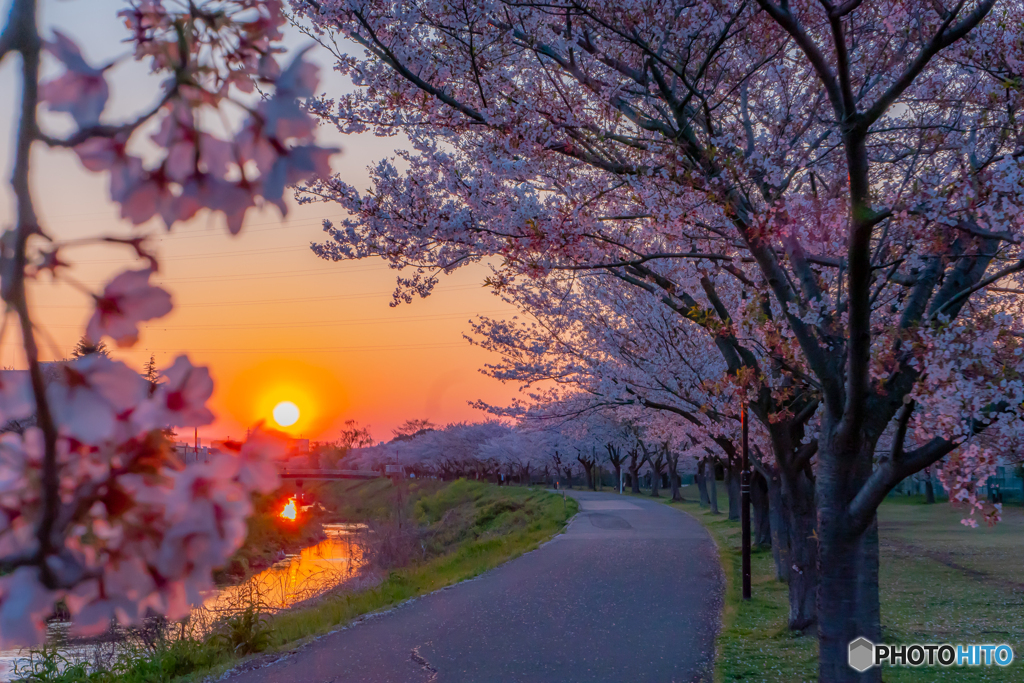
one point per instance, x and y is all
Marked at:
(862, 654)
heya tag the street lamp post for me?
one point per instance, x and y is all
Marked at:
(745, 502)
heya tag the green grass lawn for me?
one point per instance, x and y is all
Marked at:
(939, 580)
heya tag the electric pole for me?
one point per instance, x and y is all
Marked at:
(745, 501)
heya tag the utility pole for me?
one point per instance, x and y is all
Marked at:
(745, 502)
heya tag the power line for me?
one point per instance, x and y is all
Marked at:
(247, 252)
(403, 347)
(376, 347)
(175, 235)
(330, 323)
(273, 275)
(287, 301)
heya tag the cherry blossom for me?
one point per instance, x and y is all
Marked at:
(256, 457)
(82, 90)
(91, 394)
(180, 400)
(126, 301)
(16, 400)
(24, 607)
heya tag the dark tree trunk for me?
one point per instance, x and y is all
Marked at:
(657, 464)
(702, 484)
(799, 513)
(634, 476)
(673, 476)
(732, 485)
(615, 458)
(713, 491)
(848, 604)
(778, 524)
(929, 488)
(588, 472)
(759, 504)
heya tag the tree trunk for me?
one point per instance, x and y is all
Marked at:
(779, 526)
(588, 472)
(929, 488)
(713, 492)
(702, 484)
(618, 475)
(634, 479)
(848, 605)
(732, 485)
(673, 477)
(759, 504)
(798, 498)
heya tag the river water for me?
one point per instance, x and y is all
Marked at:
(332, 562)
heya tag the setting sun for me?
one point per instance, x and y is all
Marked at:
(290, 511)
(286, 413)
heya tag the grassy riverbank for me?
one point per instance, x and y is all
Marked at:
(436, 534)
(939, 582)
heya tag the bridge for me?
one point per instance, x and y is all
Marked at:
(308, 474)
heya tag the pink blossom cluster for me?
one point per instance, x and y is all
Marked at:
(214, 54)
(96, 510)
(141, 530)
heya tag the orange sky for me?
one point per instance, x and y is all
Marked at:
(271, 320)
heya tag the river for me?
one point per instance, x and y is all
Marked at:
(311, 572)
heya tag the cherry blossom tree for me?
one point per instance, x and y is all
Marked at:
(841, 181)
(455, 450)
(621, 347)
(95, 510)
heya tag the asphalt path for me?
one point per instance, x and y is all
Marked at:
(630, 593)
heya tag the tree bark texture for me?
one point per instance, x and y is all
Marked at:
(732, 486)
(713, 491)
(702, 484)
(848, 603)
(759, 504)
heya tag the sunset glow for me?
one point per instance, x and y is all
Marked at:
(286, 413)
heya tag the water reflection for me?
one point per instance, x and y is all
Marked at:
(300, 577)
(295, 578)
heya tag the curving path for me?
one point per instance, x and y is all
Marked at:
(630, 593)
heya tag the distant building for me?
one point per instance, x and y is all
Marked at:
(189, 454)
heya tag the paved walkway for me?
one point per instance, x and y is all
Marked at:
(630, 593)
